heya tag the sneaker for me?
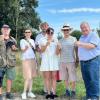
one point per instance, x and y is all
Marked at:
(31, 95)
(48, 96)
(67, 93)
(9, 96)
(55, 95)
(52, 96)
(73, 94)
(24, 96)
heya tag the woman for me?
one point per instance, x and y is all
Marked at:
(49, 63)
(28, 61)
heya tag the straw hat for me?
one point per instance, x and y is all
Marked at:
(66, 27)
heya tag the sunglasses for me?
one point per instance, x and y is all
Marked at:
(66, 30)
(27, 32)
(50, 33)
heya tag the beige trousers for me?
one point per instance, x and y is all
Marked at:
(29, 68)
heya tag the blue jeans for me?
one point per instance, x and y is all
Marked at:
(91, 76)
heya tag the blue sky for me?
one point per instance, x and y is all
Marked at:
(73, 12)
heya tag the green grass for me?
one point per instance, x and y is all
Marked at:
(38, 82)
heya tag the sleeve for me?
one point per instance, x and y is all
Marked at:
(94, 39)
(22, 44)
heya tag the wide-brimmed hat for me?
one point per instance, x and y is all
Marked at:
(66, 27)
(5, 26)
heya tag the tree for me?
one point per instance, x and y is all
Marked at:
(19, 14)
(76, 33)
(98, 30)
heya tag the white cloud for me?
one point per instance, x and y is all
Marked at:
(74, 10)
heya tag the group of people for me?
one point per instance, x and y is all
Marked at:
(61, 55)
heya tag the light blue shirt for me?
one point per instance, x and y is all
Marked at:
(87, 54)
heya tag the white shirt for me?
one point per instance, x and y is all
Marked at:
(29, 53)
(38, 37)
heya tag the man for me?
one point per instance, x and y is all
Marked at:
(43, 26)
(10, 43)
(89, 55)
(68, 58)
(2, 62)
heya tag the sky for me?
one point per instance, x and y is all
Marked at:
(72, 12)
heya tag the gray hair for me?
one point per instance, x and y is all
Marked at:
(84, 23)
(43, 24)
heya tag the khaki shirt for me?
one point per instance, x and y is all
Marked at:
(2, 54)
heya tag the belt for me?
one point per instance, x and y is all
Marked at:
(90, 59)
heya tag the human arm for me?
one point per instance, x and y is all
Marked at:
(85, 45)
(43, 48)
(76, 57)
(58, 49)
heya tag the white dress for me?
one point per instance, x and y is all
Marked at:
(49, 58)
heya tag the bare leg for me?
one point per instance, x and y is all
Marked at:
(67, 84)
(73, 85)
(26, 82)
(54, 82)
(46, 76)
(30, 85)
(9, 85)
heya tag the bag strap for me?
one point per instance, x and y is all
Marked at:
(30, 44)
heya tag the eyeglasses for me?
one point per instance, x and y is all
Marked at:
(66, 30)
(27, 32)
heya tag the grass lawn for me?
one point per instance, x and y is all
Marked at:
(38, 82)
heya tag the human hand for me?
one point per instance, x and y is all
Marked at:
(78, 43)
(48, 42)
(13, 47)
(26, 47)
(76, 64)
(58, 46)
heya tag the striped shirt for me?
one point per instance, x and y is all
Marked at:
(67, 49)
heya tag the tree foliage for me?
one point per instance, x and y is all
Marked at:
(98, 30)
(76, 33)
(19, 14)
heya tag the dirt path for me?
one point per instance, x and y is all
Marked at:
(38, 97)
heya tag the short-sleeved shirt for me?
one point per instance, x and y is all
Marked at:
(87, 54)
(67, 49)
(29, 53)
(38, 37)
